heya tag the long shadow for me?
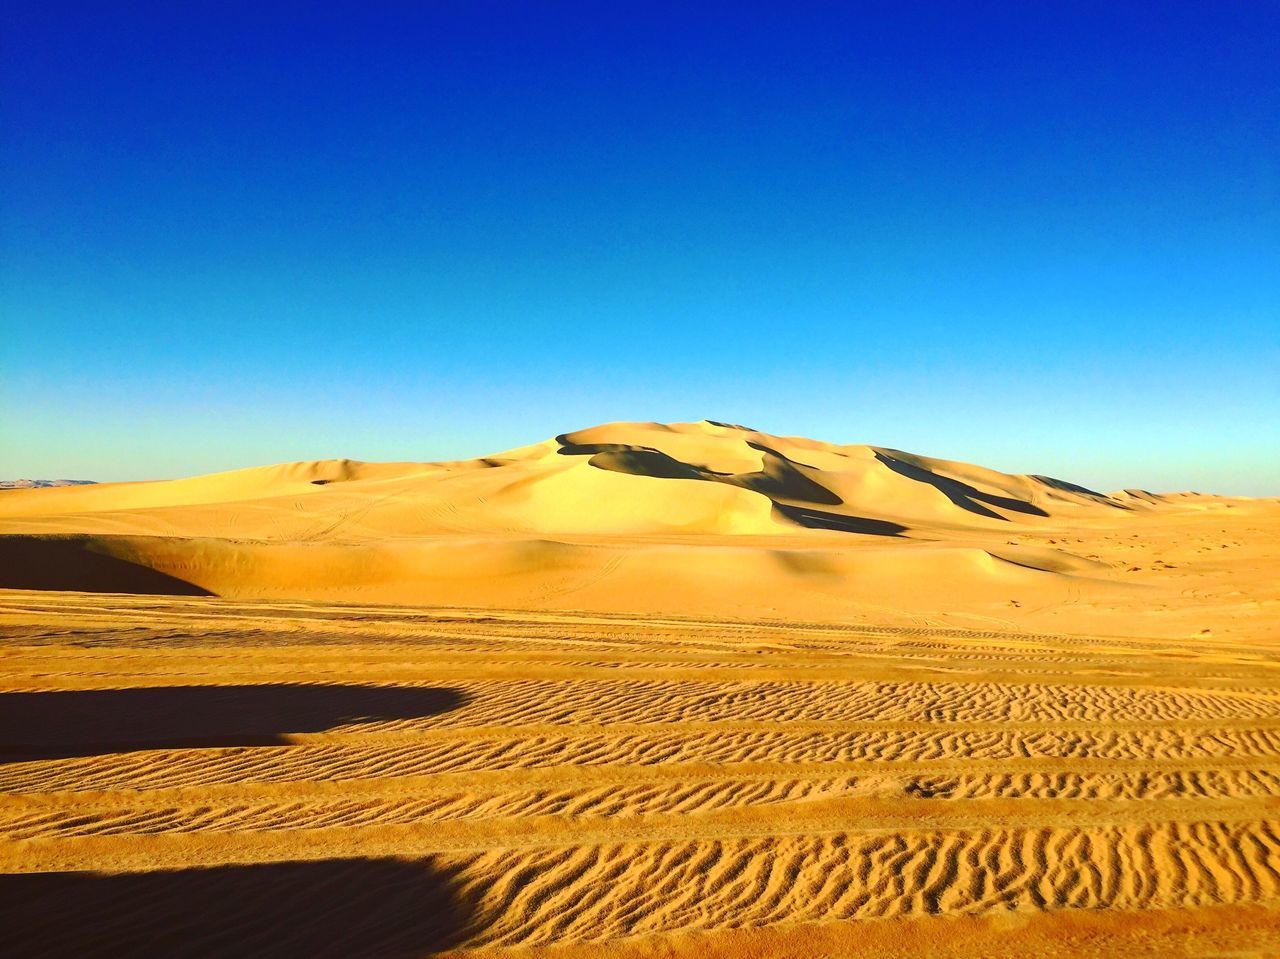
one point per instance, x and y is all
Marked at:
(1080, 490)
(821, 519)
(962, 494)
(57, 725)
(639, 461)
(70, 562)
(781, 479)
(387, 908)
(1068, 487)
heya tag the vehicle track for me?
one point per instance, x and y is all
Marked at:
(594, 779)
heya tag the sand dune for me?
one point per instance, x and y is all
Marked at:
(707, 518)
(639, 690)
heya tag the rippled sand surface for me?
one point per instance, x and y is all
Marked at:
(303, 778)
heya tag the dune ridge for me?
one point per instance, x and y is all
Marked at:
(707, 517)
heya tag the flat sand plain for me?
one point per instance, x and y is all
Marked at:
(312, 779)
(794, 701)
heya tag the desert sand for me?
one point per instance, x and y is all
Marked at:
(639, 690)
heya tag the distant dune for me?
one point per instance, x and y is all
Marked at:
(41, 483)
(706, 518)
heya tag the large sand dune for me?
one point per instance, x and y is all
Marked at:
(638, 691)
(704, 518)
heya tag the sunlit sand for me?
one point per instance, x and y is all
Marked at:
(640, 690)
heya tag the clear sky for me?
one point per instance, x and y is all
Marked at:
(1041, 237)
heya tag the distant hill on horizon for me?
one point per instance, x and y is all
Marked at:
(44, 483)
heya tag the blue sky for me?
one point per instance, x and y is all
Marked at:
(1041, 237)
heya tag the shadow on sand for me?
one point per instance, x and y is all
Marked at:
(71, 562)
(330, 908)
(91, 722)
(961, 494)
(780, 480)
(821, 519)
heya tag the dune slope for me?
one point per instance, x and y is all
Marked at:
(708, 518)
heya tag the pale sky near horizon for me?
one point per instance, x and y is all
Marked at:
(1043, 238)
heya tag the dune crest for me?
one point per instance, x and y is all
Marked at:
(708, 517)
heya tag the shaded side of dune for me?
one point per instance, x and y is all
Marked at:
(78, 563)
(794, 495)
(968, 498)
(839, 522)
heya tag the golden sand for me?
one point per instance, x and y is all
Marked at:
(639, 691)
